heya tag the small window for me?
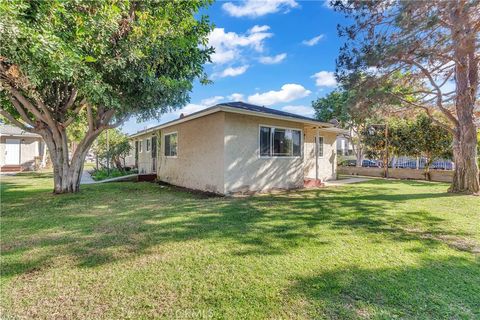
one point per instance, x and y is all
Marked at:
(320, 146)
(279, 142)
(297, 143)
(171, 145)
(140, 144)
(265, 145)
(148, 145)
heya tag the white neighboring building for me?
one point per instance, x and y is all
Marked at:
(20, 149)
(344, 146)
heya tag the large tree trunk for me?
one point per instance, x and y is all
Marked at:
(67, 172)
(357, 146)
(466, 176)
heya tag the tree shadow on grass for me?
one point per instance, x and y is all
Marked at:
(432, 289)
(118, 221)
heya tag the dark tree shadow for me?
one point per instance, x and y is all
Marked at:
(133, 217)
(432, 289)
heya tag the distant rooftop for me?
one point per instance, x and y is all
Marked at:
(9, 130)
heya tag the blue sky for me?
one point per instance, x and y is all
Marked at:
(276, 53)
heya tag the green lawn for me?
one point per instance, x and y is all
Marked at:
(374, 250)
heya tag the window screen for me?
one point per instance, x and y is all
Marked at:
(171, 145)
(279, 142)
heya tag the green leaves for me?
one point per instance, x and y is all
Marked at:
(90, 59)
(138, 58)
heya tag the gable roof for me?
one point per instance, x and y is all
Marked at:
(9, 130)
(242, 108)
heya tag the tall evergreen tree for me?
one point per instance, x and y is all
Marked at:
(435, 46)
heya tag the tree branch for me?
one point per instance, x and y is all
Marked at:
(24, 101)
(429, 113)
(71, 100)
(21, 111)
(437, 89)
(91, 126)
(76, 111)
(15, 121)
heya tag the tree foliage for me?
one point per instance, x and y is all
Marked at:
(415, 137)
(115, 150)
(112, 59)
(354, 107)
(428, 53)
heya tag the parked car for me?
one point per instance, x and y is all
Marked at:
(349, 163)
(371, 163)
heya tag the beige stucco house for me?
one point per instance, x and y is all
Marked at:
(238, 147)
(20, 150)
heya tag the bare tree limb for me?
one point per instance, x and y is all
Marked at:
(71, 99)
(437, 89)
(429, 113)
(15, 121)
(91, 126)
(24, 101)
(21, 111)
(76, 111)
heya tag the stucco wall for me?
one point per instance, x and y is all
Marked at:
(245, 170)
(199, 162)
(29, 149)
(327, 165)
(130, 159)
(144, 157)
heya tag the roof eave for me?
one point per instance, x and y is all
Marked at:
(274, 116)
(224, 108)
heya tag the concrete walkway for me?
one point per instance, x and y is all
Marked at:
(87, 178)
(336, 183)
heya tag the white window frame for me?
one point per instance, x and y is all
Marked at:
(323, 145)
(148, 145)
(271, 142)
(164, 144)
(140, 146)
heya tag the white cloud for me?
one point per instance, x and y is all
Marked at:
(258, 8)
(228, 45)
(287, 93)
(236, 97)
(188, 109)
(257, 28)
(212, 100)
(313, 41)
(300, 110)
(231, 72)
(325, 79)
(273, 60)
(194, 107)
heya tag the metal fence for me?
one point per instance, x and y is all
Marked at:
(420, 163)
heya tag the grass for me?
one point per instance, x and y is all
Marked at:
(374, 250)
(102, 174)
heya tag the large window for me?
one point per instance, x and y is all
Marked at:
(280, 142)
(171, 144)
(148, 144)
(140, 144)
